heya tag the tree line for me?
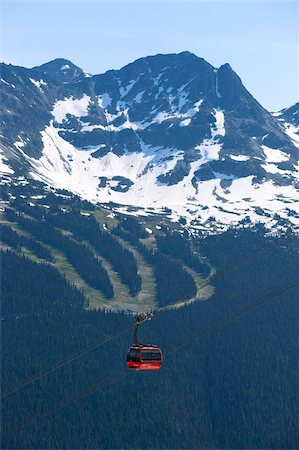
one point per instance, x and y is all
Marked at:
(80, 256)
(17, 241)
(87, 228)
(174, 283)
(230, 388)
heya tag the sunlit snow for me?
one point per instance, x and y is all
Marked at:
(239, 157)
(19, 144)
(39, 83)
(74, 106)
(293, 132)
(274, 155)
(4, 168)
(5, 82)
(68, 167)
(185, 123)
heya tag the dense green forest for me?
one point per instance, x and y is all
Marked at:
(17, 241)
(182, 248)
(82, 239)
(87, 228)
(80, 256)
(235, 387)
(174, 283)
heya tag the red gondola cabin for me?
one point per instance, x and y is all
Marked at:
(144, 357)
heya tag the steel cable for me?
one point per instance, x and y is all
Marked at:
(63, 362)
(223, 273)
(245, 309)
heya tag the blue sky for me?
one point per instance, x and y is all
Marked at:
(258, 39)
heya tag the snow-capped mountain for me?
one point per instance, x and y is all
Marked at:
(166, 132)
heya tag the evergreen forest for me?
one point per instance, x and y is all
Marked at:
(225, 383)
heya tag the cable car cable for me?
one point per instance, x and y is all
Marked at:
(63, 363)
(223, 273)
(62, 404)
(230, 318)
(245, 309)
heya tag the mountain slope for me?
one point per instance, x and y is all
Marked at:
(289, 118)
(61, 70)
(229, 386)
(111, 263)
(164, 131)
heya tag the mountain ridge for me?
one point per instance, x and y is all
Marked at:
(61, 70)
(163, 131)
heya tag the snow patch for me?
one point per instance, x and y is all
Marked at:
(239, 157)
(4, 168)
(192, 111)
(104, 100)
(73, 106)
(219, 129)
(272, 168)
(293, 132)
(127, 123)
(5, 82)
(19, 144)
(88, 128)
(138, 97)
(76, 170)
(273, 155)
(182, 94)
(185, 123)
(125, 90)
(38, 84)
(210, 148)
(163, 115)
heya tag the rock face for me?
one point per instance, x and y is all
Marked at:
(61, 70)
(164, 131)
(289, 115)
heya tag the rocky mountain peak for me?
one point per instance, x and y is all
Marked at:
(164, 131)
(61, 70)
